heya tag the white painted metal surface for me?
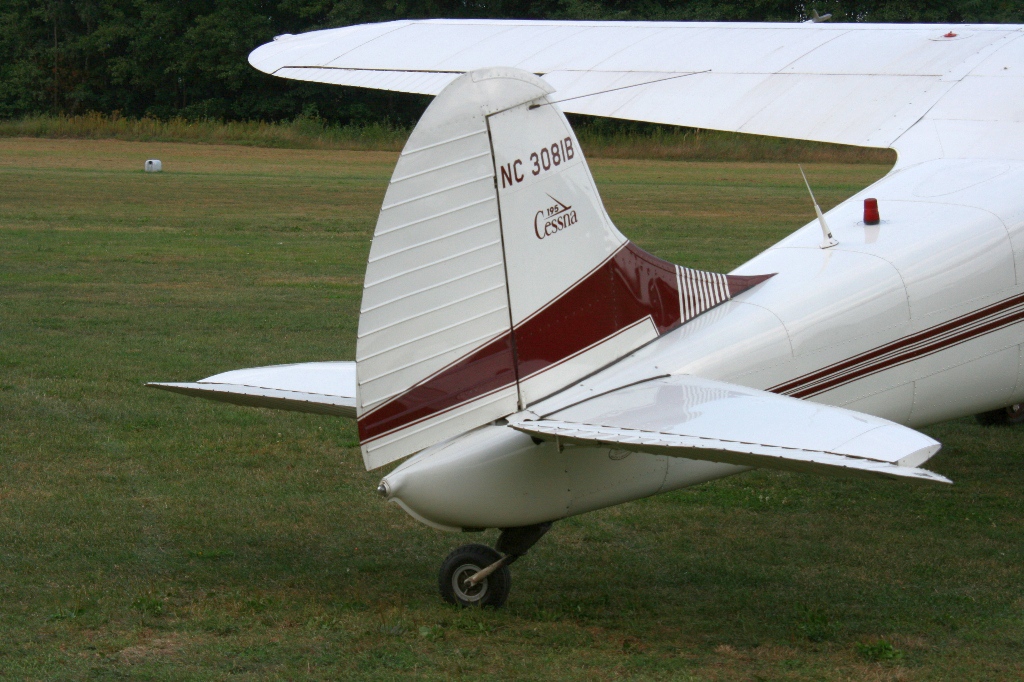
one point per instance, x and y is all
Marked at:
(863, 84)
(550, 206)
(496, 477)
(697, 418)
(318, 387)
(915, 320)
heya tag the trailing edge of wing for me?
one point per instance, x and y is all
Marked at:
(693, 418)
(317, 387)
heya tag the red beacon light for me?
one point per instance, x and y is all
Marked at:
(871, 212)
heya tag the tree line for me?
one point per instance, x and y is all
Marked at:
(188, 58)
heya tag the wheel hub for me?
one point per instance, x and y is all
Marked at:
(465, 590)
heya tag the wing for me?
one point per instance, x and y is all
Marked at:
(860, 84)
(317, 387)
(694, 418)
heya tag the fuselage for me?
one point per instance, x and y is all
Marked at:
(917, 320)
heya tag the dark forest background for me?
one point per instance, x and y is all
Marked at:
(187, 58)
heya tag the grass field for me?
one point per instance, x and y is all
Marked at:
(146, 535)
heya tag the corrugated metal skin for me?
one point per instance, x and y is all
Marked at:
(861, 84)
(435, 281)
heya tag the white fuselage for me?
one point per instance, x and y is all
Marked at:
(914, 320)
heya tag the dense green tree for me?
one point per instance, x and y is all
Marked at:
(187, 58)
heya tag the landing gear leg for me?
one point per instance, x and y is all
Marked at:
(476, 575)
(1008, 416)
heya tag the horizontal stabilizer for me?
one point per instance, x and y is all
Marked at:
(693, 418)
(317, 387)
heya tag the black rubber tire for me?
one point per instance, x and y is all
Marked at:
(1004, 416)
(463, 562)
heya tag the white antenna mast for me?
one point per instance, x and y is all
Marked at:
(828, 240)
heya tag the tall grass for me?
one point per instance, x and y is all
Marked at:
(302, 133)
(599, 138)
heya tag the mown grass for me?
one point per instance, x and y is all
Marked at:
(145, 535)
(603, 138)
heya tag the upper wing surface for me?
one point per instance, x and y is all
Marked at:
(861, 84)
(317, 387)
(694, 418)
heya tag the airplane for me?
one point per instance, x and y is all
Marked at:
(530, 363)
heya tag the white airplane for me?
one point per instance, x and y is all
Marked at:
(533, 364)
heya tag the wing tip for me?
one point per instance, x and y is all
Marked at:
(926, 476)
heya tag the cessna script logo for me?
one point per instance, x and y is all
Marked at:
(553, 219)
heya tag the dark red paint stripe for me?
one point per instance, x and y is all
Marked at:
(900, 343)
(483, 371)
(740, 283)
(909, 356)
(630, 286)
(932, 340)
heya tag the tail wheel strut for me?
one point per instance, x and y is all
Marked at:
(476, 575)
(464, 563)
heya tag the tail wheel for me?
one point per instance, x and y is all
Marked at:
(1007, 416)
(462, 564)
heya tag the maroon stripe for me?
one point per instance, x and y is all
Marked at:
(628, 287)
(912, 347)
(740, 283)
(899, 344)
(913, 350)
(482, 371)
(912, 355)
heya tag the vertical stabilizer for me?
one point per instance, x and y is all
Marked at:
(434, 353)
(496, 277)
